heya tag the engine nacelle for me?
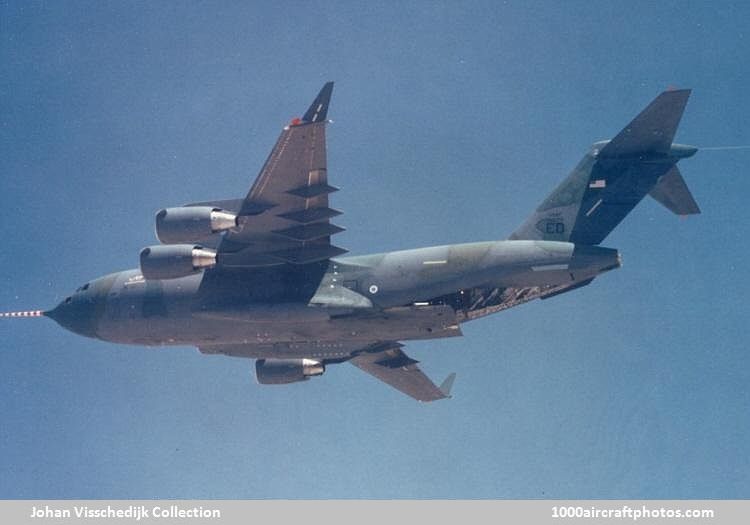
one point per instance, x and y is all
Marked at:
(175, 260)
(192, 223)
(283, 371)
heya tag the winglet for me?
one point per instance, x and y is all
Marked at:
(447, 384)
(318, 110)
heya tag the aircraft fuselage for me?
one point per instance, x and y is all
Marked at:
(357, 299)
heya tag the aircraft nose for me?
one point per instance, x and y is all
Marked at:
(76, 315)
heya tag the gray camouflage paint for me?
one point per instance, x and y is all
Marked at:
(125, 308)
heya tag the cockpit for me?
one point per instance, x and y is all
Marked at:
(78, 291)
(80, 311)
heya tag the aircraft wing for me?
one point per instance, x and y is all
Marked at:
(391, 365)
(384, 360)
(285, 217)
(279, 250)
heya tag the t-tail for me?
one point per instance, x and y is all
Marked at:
(615, 175)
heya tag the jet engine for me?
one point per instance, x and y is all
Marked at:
(283, 371)
(192, 223)
(175, 260)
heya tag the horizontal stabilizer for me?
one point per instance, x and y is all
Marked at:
(672, 192)
(652, 130)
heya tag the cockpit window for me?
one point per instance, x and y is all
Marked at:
(68, 300)
(83, 288)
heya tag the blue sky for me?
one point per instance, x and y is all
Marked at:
(451, 122)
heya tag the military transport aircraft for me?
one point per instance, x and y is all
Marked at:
(258, 277)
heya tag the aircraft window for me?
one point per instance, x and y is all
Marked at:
(68, 300)
(85, 286)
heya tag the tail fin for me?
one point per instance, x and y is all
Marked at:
(614, 176)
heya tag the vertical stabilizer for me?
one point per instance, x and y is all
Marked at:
(614, 176)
